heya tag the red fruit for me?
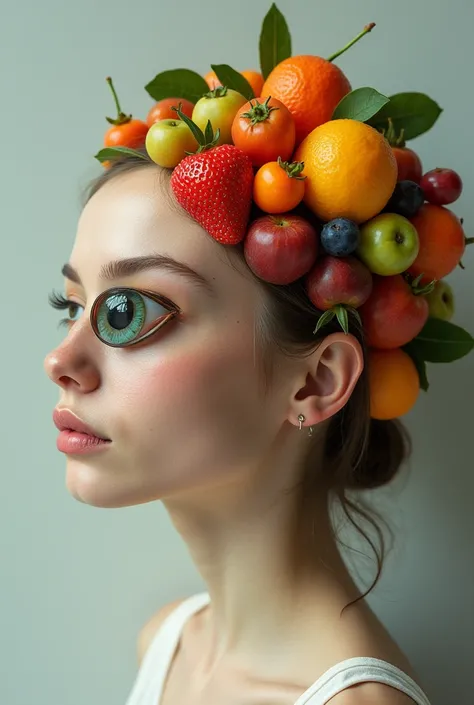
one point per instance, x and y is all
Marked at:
(393, 315)
(215, 187)
(163, 110)
(409, 164)
(442, 242)
(441, 186)
(281, 249)
(338, 280)
(126, 131)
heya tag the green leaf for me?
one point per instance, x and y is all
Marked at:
(233, 79)
(414, 113)
(442, 341)
(177, 83)
(342, 317)
(324, 318)
(208, 133)
(275, 40)
(412, 350)
(110, 153)
(360, 104)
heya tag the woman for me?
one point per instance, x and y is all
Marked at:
(203, 387)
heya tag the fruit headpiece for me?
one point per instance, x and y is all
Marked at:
(343, 203)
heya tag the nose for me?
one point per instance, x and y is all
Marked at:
(71, 364)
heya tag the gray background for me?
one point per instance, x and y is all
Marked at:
(77, 583)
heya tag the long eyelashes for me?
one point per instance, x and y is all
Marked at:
(121, 316)
(58, 301)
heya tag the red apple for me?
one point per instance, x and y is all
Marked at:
(393, 315)
(281, 248)
(441, 186)
(338, 280)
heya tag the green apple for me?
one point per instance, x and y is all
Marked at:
(441, 301)
(167, 142)
(220, 106)
(388, 245)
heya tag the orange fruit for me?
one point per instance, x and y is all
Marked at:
(394, 383)
(442, 242)
(255, 79)
(310, 87)
(212, 80)
(350, 168)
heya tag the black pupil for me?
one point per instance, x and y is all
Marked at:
(121, 310)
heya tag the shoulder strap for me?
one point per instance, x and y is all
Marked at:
(361, 670)
(156, 662)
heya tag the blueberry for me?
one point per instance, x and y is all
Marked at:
(340, 237)
(406, 200)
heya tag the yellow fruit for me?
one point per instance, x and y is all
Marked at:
(394, 383)
(350, 170)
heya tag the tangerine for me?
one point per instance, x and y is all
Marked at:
(350, 168)
(394, 383)
(310, 87)
(255, 79)
(442, 242)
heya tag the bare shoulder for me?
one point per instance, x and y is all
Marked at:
(151, 626)
(371, 694)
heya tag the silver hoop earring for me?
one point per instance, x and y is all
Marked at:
(301, 418)
(310, 431)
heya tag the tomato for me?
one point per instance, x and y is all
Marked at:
(409, 164)
(278, 186)
(264, 131)
(168, 141)
(128, 134)
(220, 107)
(125, 131)
(163, 110)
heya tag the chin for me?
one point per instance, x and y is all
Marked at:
(99, 488)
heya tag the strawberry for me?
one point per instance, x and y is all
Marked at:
(215, 186)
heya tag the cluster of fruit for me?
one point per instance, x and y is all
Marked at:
(343, 201)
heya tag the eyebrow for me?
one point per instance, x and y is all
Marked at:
(133, 265)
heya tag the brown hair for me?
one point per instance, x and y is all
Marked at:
(359, 453)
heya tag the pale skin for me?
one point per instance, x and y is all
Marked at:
(221, 455)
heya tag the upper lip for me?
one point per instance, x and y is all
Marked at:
(65, 420)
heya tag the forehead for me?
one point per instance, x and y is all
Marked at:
(132, 215)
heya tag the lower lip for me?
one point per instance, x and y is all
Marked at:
(78, 443)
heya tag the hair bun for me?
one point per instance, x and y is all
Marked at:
(388, 447)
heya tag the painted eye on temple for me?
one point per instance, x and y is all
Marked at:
(123, 316)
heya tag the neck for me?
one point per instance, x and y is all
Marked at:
(266, 564)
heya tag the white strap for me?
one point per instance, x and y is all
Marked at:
(361, 670)
(156, 662)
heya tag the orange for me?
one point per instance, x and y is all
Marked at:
(253, 77)
(394, 383)
(212, 80)
(256, 81)
(442, 242)
(350, 168)
(310, 87)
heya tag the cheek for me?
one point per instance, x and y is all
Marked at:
(209, 391)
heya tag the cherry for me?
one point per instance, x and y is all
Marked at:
(441, 186)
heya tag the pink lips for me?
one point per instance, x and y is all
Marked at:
(76, 436)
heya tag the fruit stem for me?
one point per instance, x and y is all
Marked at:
(367, 28)
(121, 118)
(469, 240)
(259, 112)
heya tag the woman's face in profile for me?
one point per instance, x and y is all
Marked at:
(185, 408)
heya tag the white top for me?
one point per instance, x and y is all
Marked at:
(150, 679)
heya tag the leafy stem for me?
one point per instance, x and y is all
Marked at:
(121, 118)
(368, 28)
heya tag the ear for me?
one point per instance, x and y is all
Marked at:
(330, 375)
